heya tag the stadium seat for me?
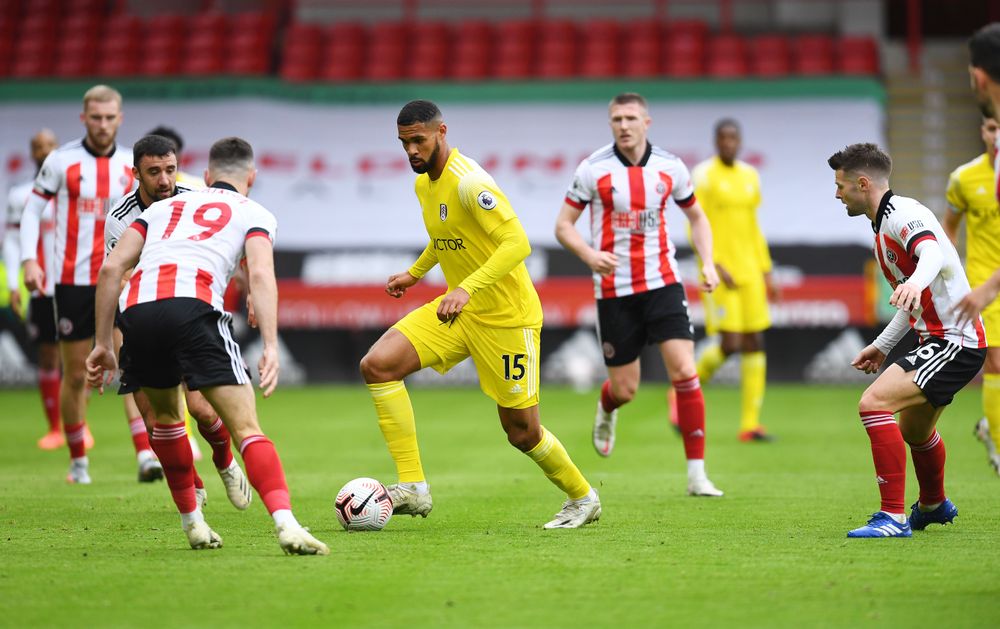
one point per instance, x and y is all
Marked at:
(769, 56)
(470, 69)
(812, 55)
(74, 66)
(201, 65)
(158, 65)
(118, 66)
(263, 23)
(726, 57)
(857, 56)
(557, 57)
(119, 24)
(683, 50)
(209, 22)
(557, 31)
(80, 24)
(31, 67)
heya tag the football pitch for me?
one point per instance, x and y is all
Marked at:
(771, 553)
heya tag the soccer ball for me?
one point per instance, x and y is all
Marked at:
(363, 505)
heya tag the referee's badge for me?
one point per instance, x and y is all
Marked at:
(444, 212)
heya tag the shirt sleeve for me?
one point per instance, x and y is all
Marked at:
(954, 196)
(909, 229)
(262, 223)
(427, 260)
(50, 178)
(581, 191)
(683, 192)
(113, 230)
(483, 200)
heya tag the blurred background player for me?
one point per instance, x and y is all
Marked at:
(491, 312)
(729, 191)
(189, 181)
(84, 177)
(155, 170)
(176, 331)
(970, 196)
(640, 298)
(41, 313)
(925, 272)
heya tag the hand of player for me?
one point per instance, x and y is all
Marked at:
(709, 278)
(101, 367)
(15, 303)
(451, 305)
(973, 303)
(773, 290)
(905, 297)
(603, 263)
(869, 360)
(251, 316)
(268, 368)
(34, 276)
(397, 284)
(724, 275)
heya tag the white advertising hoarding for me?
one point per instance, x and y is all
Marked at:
(336, 176)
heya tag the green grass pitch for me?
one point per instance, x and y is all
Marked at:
(771, 553)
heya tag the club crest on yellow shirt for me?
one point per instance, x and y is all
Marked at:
(444, 212)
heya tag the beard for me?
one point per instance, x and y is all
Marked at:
(426, 165)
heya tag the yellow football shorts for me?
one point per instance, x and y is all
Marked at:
(506, 358)
(741, 309)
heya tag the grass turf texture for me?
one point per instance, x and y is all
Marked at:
(771, 553)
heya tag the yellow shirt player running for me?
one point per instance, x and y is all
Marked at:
(971, 195)
(729, 191)
(491, 312)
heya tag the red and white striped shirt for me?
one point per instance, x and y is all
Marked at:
(84, 186)
(628, 215)
(900, 225)
(194, 241)
(16, 200)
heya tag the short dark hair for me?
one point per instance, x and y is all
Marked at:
(727, 122)
(418, 112)
(864, 157)
(984, 50)
(230, 154)
(169, 132)
(153, 146)
(629, 97)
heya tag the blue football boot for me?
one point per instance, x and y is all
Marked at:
(944, 514)
(881, 524)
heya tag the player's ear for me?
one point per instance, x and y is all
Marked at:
(442, 129)
(205, 177)
(977, 78)
(251, 178)
(135, 173)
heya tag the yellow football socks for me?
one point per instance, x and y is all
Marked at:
(709, 362)
(395, 418)
(753, 379)
(991, 405)
(551, 456)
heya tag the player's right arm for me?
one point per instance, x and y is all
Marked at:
(870, 359)
(579, 195)
(397, 283)
(956, 207)
(264, 288)
(47, 184)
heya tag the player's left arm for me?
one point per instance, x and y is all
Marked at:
(102, 362)
(957, 206)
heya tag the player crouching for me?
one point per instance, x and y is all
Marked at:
(175, 329)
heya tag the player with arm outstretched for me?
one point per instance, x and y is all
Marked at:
(925, 272)
(491, 312)
(971, 198)
(183, 251)
(640, 298)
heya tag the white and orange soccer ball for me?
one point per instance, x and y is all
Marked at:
(363, 505)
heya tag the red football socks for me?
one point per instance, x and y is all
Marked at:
(74, 439)
(170, 443)
(889, 455)
(265, 473)
(218, 437)
(48, 386)
(608, 402)
(140, 438)
(928, 462)
(691, 416)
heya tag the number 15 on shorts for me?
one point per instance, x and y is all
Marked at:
(513, 366)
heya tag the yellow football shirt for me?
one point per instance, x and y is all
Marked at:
(730, 196)
(970, 192)
(464, 212)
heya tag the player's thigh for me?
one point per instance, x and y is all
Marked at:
(199, 407)
(620, 329)
(74, 358)
(150, 334)
(42, 320)
(892, 391)
(74, 308)
(237, 407)
(207, 353)
(438, 345)
(167, 404)
(917, 422)
(507, 361)
(678, 358)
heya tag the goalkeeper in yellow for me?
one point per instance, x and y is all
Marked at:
(729, 192)
(971, 195)
(491, 312)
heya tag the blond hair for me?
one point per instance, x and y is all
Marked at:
(102, 94)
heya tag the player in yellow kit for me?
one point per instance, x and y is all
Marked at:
(971, 196)
(729, 191)
(491, 312)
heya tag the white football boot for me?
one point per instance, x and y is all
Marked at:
(982, 432)
(201, 496)
(237, 487)
(576, 513)
(407, 501)
(604, 430)
(296, 540)
(701, 486)
(79, 473)
(201, 536)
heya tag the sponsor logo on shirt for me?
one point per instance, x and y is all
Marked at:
(635, 221)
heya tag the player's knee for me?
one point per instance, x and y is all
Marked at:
(624, 391)
(374, 369)
(75, 380)
(202, 412)
(524, 438)
(872, 401)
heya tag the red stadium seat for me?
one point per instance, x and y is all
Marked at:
(118, 66)
(769, 56)
(75, 66)
(80, 24)
(600, 30)
(158, 65)
(201, 65)
(470, 69)
(120, 24)
(812, 55)
(473, 30)
(31, 67)
(352, 32)
(857, 56)
(247, 65)
(557, 31)
(519, 31)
